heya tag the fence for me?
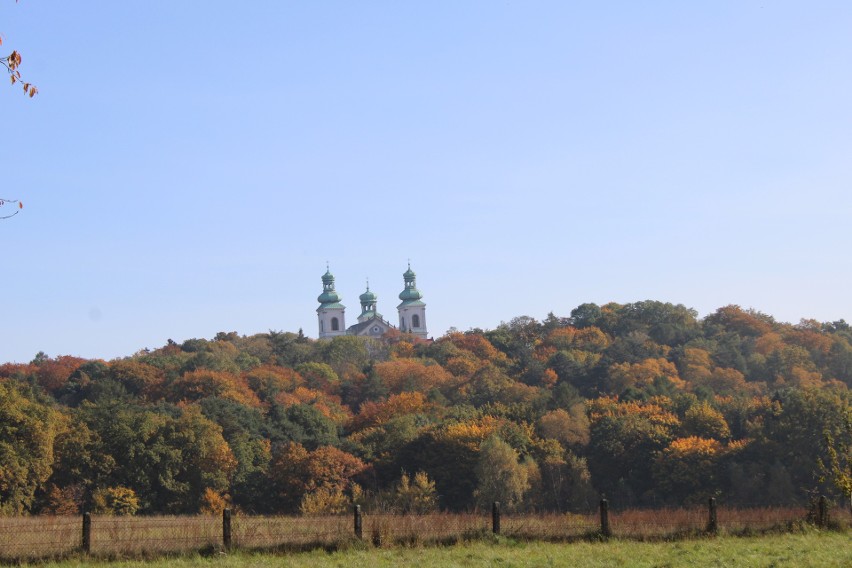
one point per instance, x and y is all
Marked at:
(31, 538)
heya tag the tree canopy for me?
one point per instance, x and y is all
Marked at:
(644, 402)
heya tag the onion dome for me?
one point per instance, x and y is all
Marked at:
(368, 297)
(368, 305)
(329, 295)
(410, 293)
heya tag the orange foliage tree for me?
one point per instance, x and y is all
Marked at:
(195, 385)
(411, 375)
(643, 374)
(297, 472)
(377, 413)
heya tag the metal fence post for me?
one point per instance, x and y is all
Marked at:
(226, 529)
(712, 522)
(87, 533)
(359, 527)
(495, 517)
(605, 530)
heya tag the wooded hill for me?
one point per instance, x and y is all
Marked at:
(643, 402)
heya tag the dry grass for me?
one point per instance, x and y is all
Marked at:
(291, 531)
(136, 536)
(24, 538)
(47, 536)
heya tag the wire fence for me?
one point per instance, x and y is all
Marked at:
(40, 537)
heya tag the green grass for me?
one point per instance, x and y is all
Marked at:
(794, 550)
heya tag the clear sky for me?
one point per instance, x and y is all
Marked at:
(189, 167)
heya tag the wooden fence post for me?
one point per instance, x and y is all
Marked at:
(226, 529)
(359, 527)
(605, 530)
(495, 517)
(712, 522)
(87, 533)
(822, 512)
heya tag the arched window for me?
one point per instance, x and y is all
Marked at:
(335, 325)
(415, 321)
(321, 329)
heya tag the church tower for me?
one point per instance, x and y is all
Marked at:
(412, 310)
(330, 311)
(368, 305)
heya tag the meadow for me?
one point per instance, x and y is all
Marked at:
(806, 548)
(101, 538)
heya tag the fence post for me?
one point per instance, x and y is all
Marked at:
(822, 512)
(226, 529)
(712, 522)
(605, 530)
(87, 533)
(495, 517)
(359, 527)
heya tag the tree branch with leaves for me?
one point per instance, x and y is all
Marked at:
(12, 63)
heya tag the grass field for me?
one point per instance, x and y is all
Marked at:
(811, 548)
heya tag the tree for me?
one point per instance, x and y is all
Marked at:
(569, 427)
(704, 421)
(194, 458)
(115, 501)
(404, 375)
(796, 433)
(624, 440)
(500, 477)
(296, 473)
(27, 433)
(837, 464)
(688, 469)
(415, 495)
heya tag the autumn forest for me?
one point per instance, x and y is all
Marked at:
(643, 402)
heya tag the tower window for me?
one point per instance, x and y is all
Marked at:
(415, 321)
(321, 329)
(335, 325)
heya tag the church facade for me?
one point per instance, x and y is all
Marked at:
(331, 314)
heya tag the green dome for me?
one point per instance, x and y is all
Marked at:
(328, 297)
(368, 297)
(410, 294)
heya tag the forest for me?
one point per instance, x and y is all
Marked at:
(643, 402)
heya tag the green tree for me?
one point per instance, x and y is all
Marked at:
(415, 494)
(27, 433)
(704, 421)
(499, 475)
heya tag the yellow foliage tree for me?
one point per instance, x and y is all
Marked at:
(643, 374)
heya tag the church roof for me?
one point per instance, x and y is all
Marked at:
(360, 328)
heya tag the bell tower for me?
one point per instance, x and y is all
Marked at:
(330, 312)
(412, 310)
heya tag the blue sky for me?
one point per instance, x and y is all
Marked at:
(189, 167)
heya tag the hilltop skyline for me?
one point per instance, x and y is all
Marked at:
(189, 168)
